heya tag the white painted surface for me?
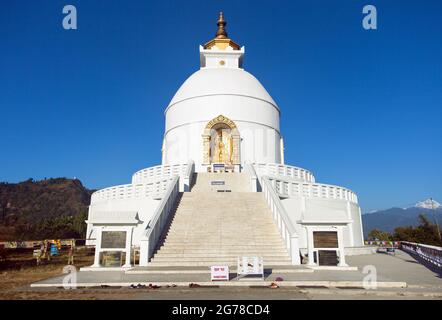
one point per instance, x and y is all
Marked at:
(222, 87)
(144, 208)
(224, 90)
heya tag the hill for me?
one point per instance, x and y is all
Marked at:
(389, 219)
(50, 208)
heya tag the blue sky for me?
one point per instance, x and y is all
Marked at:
(361, 109)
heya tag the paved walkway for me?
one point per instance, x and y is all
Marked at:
(390, 269)
(400, 267)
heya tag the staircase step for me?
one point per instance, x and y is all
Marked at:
(221, 240)
(211, 263)
(220, 246)
(221, 254)
(213, 258)
(217, 251)
(210, 227)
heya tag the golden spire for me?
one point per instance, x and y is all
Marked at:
(221, 40)
(221, 33)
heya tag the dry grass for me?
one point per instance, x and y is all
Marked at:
(19, 270)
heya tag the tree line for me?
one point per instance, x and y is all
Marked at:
(425, 233)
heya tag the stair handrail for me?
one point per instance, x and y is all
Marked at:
(285, 226)
(156, 225)
(253, 176)
(188, 176)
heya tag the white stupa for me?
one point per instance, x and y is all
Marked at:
(223, 190)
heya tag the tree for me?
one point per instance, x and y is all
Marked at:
(425, 232)
(379, 235)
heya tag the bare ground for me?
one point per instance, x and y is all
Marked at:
(19, 270)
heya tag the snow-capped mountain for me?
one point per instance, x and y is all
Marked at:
(389, 219)
(428, 204)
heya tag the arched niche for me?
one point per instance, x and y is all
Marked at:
(221, 140)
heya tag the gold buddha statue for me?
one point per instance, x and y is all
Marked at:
(221, 150)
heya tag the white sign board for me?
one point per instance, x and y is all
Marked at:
(250, 266)
(219, 167)
(219, 273)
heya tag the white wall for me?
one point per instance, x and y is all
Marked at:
(293, 207)
(145, 208)
(325, 210)
(357, 225)
(256, 120)
(235, 107)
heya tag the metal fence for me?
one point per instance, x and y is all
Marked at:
(431, 254)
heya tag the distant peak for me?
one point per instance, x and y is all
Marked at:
(428, 204)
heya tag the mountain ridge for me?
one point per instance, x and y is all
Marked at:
(389, 219)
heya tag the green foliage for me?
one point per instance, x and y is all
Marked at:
(379, 235)
(425, 233)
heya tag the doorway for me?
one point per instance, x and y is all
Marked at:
(326, 246)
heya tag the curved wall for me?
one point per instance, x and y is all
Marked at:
(257, 122)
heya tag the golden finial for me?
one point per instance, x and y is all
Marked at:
(221, 40)
(221, 33)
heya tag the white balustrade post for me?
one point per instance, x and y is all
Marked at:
(254, 183)
(310, 246)
(185, 186)
(99, 230)
(127, 263)
(144, 252)
(350, 225)
(294, 250)
(341, 248)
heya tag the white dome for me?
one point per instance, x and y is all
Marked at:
(221, 81)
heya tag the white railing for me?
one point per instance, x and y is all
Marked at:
(187, 179)
(156, 225)
(275, 169)
(153, 189)
(148, 183)
(159, 172)
(429, 253)
(282, 220)
(286, 187)
(253, 177)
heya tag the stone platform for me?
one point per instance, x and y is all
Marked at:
(399, 271)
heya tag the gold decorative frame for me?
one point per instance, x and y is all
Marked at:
(235, 137)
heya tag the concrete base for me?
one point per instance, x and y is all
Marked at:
(108, 269)
(395, 272)
(206, 270)
(355, 251)
(327, 284)
(333, 268)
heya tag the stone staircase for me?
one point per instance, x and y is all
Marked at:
(210, 227)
